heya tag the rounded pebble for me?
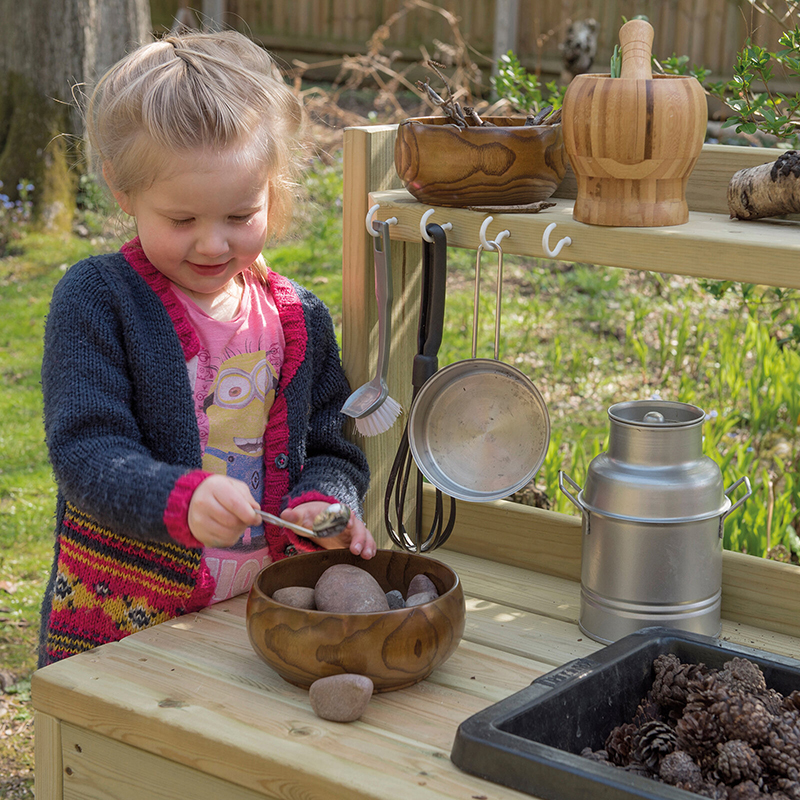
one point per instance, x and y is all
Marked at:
(340, 698)
(297, 596)
(395, 599)
(421, 583)
(419, 598)
(347, 589)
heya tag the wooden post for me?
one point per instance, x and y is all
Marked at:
(48, 775)
(213, 13)
(369, 166)
(506, 14)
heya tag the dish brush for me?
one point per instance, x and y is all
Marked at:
(370, 405)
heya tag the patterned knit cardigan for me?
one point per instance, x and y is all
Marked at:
(125, 447)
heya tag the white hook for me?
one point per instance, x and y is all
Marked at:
(565, 242)
(448, 226)
(496, 241)
(370, 214)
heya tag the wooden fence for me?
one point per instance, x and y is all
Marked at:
(710, 32)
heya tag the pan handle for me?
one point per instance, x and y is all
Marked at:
(562, 476)
(498, 299)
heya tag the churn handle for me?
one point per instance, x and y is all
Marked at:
(746, 481)
(562, 476)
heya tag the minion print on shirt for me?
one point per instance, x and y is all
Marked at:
(237, 407)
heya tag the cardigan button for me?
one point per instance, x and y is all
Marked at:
(282, 461)
(290, 550)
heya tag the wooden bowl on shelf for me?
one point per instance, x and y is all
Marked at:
(395, 649)
(509, 164)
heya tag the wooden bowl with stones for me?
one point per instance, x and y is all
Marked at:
(395, 648)
(508, 164)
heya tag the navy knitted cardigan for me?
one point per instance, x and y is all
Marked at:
(125, 448)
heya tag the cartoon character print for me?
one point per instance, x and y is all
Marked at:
(237, 406)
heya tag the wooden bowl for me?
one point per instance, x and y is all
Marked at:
(394, 649)
(511, 164)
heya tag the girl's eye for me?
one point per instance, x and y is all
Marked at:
(242, 218)
(180, 222)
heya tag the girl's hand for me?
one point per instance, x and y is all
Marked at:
(221, 510)
(356, 537)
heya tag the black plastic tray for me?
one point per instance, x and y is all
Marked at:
(532, 740)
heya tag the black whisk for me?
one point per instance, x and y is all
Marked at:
(426, 363)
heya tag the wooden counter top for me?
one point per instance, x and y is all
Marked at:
(186, 709)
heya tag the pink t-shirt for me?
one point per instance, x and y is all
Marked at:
(234, 377)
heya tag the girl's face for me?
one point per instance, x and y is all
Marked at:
(204, 223)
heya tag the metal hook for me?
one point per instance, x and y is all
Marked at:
(448, 226)
(371, 214)
(496, 241)
(565, 242)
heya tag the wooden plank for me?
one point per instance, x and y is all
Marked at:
(545, 595)
(47, 754)
(263, 735)
(558, 599)
(760, 592)
(100, 768)
(511, 533)
(707, 246)
(369, 163)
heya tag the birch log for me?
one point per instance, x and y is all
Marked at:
(768, 190)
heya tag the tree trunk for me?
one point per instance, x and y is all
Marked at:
(50, 49)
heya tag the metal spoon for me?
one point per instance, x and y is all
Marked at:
(330, 522)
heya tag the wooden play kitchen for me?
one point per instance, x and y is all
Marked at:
(188, 709)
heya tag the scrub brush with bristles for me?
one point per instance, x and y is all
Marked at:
(370, 405)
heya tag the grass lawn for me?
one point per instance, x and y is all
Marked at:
(27, 490)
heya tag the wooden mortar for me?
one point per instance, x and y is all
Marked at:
(633, 141)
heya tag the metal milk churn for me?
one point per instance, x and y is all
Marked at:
(653, 510)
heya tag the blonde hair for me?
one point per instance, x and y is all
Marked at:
(213, 91)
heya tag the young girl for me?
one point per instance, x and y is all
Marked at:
(185, 384)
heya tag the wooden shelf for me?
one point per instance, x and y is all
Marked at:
(709, 245)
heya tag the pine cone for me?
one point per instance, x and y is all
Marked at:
(619, 744)
(774, 702)
(698, 734)
(672, 680)
(792, 701)
(784, 788)
(637, 768)
(647, 711)
(743, 676)
(678, 768)
(745, 791)
(737, 762)
(703, 693)
(598, 756)
(781, 752)
(652, 742)
(743, 717)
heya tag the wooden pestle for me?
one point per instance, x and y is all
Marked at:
(636, 44)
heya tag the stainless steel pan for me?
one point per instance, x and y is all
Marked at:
(479, 428)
